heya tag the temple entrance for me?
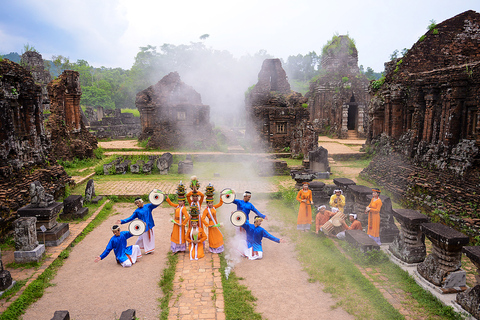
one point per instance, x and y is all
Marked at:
(352, 116)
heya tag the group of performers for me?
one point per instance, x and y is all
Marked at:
(191, 229)
(337, 204)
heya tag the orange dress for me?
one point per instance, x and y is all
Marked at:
(196, 250)
(304, 218)
(356, 225)
(181, 217)
(374, 218)
(199, 202)
(215, 236)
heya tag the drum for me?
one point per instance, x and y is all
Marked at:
(227, 195)
(238, 218)
(137, 227)
(337, 219)
(328, 228)
(156, 197)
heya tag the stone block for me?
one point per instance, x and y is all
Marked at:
(128, 315)
(470, 300)
(5, 280)
(45, 216)
(72, 204)
(54, 236)
(61, 315)
(34, 255)
(185, 167)
(361, 240)
(82, 212)
(97, 199)
(25, 233)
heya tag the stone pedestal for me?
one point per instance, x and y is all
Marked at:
(302, 176)
(442, 266)
(409, 245)
(318, 160)
(359, 195)
(54, 236)
(34, 255)
(318, 193)
(25, 234)
(45, 216)
(6, 281)
(73, 208)
(470, 299)
(361, 240)
(185, 167)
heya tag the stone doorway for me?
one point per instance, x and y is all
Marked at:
(352, 116)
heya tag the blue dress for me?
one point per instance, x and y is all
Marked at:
(119, 246)
(256, 234)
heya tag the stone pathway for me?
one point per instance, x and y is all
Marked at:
(198, 292)
(51, 254)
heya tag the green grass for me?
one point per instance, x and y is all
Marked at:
(239, 301)
(334, 264)
(166, 284)
(135, 112)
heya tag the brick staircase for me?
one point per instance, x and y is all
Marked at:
(352, 135)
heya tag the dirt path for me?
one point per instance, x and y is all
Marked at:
(279, 282)
(103, 290)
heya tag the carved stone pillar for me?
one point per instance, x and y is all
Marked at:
(470, 299)
(409, 245)
(442, 267)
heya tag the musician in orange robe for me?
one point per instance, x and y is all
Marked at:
(304, 218)
(373, 211)
(355, 225)
(195, 238)
(323, 216)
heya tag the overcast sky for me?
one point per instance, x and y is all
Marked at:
(109, 32)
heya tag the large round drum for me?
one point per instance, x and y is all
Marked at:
(337, 219)
(156, 197)
(238, 218)
(227, 195)
(137, 227)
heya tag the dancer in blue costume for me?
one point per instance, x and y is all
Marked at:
(144, 212)
(246, 206)
(256, 234)
(125, 256)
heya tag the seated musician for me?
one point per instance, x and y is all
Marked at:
(323, 215)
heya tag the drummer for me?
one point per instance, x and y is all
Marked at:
(146, 241)
(323, 215)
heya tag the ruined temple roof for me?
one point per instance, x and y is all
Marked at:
(169, 91)
(453, 42)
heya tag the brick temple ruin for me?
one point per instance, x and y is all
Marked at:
(112, 123)
(65, 124)
(338, 97)
(33, 62)
(172, 115)
(279, 116)
(25, 144)
(424, 124)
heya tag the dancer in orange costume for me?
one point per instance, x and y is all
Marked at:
(195, 238)
(195, 197)
(177, 239)
(304, 218)
(215, 236)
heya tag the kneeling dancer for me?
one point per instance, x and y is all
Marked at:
(126, 256)
(255, 234)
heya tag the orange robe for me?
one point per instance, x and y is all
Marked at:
(199, 202)
(215, 236)
(305, 210)
(356, 225)
(181, 217)
(320, 219)
(374, 218)
(196, 250)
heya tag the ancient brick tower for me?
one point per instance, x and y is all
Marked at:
(337, 99)
(278, 115)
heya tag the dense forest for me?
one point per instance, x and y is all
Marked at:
(220, 78)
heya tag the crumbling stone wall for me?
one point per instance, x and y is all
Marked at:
(65, 124)
(275, 112)
(172, 115)
(114, 125)
(425, 122)
(338, 97)
(24, 143)
(33, 62)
